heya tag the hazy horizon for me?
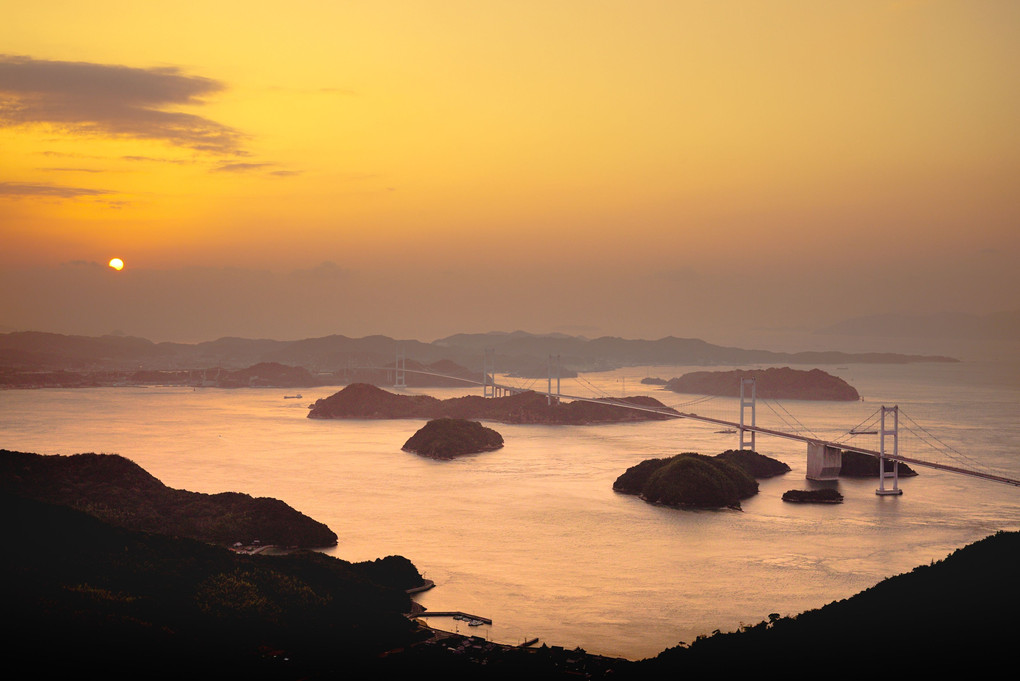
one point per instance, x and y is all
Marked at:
(712, 170)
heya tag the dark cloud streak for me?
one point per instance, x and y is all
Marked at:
(17, 189)
(118, 101)
(240, 167)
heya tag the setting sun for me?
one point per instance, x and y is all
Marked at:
(117, 264)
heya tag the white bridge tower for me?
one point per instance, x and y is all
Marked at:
(549, 393)
(489, 373)
(893, 432)
(747, 385)
(399, 367)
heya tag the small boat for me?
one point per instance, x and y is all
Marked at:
(292, 397)
(726, 432)
(475, 623)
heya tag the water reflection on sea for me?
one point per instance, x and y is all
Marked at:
(533, 536)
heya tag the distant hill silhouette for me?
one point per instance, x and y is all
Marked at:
(518, 352)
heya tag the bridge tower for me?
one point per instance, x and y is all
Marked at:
(489, 373)
(400, 366)
(893, 432)
(747, 401)
(549, 393)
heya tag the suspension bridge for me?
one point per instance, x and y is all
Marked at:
(824, 457)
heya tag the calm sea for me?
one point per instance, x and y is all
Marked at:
(533, 536)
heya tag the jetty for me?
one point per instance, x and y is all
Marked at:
(454, 614)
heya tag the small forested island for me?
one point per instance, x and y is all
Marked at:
(754, 464)
(688, 480)
(774, 383)
(446, 438)
(693, 480)
(122, 493)
(827, 495)
(858, 465)
(363, 401)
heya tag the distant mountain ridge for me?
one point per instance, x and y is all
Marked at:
(518, 351)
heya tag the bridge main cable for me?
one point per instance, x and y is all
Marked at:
(672, 413)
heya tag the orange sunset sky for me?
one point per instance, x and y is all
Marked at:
(421, 168)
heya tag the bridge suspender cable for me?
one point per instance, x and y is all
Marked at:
(672, 413)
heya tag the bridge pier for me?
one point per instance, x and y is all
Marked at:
(823, 461)
(894, 433)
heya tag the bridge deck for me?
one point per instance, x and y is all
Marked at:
(672, 413)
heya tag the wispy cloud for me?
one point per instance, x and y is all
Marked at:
(18, 189)
(152, 159)
(254, 167)
(72, 170)
(240, 167)
(112, 100)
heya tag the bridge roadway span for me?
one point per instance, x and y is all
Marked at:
(672, 413)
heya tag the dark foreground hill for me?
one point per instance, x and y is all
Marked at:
(363, 401)
(121, 492)
(80, 596)
(958, 614)
(83, 597)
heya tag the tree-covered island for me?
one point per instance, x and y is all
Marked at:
(446, 438)
(692, 480)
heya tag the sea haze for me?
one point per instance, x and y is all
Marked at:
(533, 536)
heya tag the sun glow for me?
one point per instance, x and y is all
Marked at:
(117, 264)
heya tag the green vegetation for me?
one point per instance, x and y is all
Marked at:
(121, 492)
(447, 438)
